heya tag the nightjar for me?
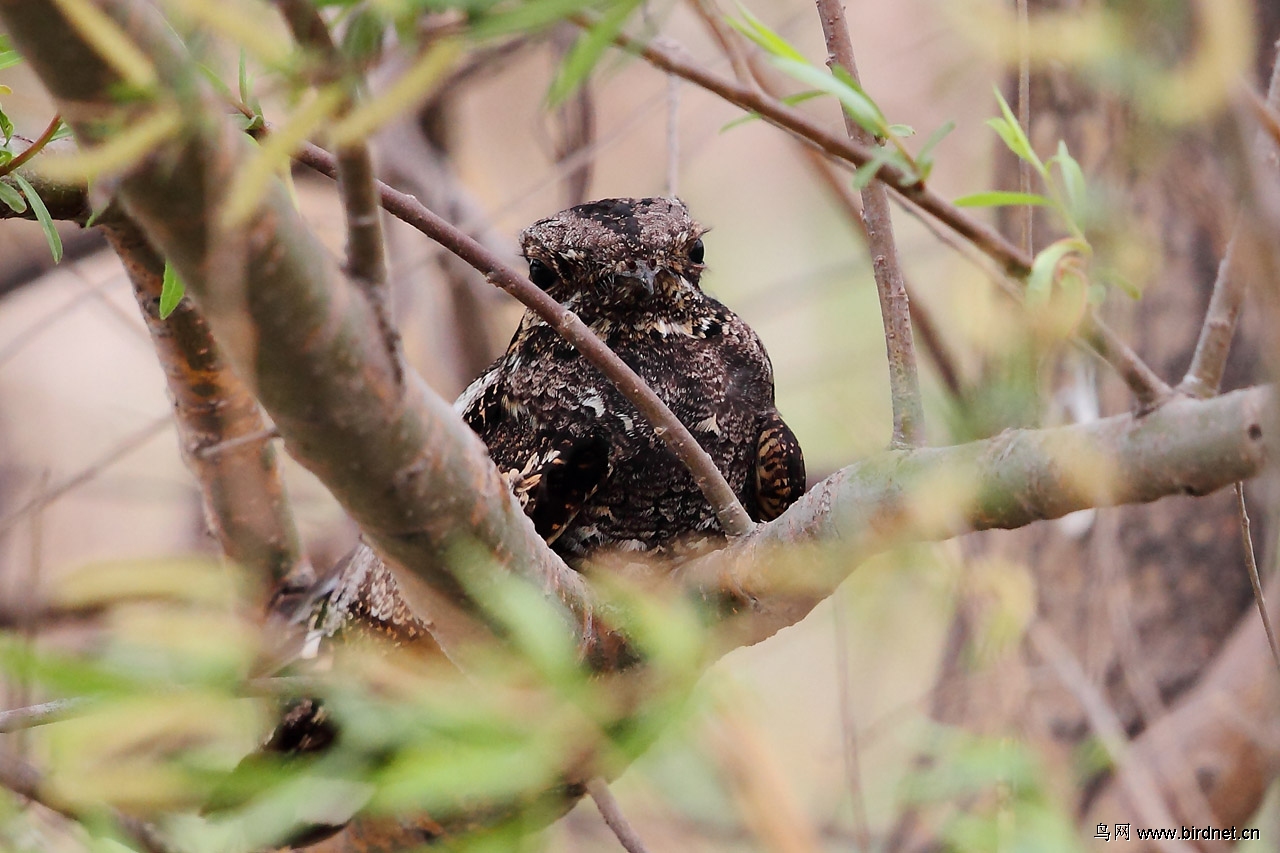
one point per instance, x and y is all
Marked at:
(588, 469)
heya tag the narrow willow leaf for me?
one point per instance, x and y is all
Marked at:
(1013, 135)
(587, 50)
(1001, 198)
(172, 289)
(1073, 182)
(859, 107)
(866, 173)
(789, 100)
(903, 130)
(8, 56)
(931, 142)
(525, 17)
(51, 235)
(240, 21)
(109, 41)
(768, 40)
(401, 96)
(1044, 269)
(6, 126)
(122, 149)
(12, 198)
(250, 181)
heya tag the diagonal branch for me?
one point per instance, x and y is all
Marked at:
(242, 484)
(667, 56)
(895, 304)
(1250, 240)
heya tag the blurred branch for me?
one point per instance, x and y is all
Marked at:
(126, 446)
(411, 473)
(42, 714)
(1139, 784)
(1251, 566)
(245, 502)
(669, 56)
(25, 781)
(895, 304)
(1225, 733)
(1251, 241)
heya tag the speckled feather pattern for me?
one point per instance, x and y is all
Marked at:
(631, 269)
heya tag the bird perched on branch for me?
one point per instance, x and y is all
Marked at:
(589, 470)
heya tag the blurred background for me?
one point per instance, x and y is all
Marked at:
(843, 717)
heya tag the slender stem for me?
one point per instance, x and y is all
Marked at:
(1204, 376)
(895, 304)
(42, 714)
(667, 56)
(1150, 390)
(357, 185)
(613, 816)
(34, 148)
(729, 511)
(1251, 563)
(1024, 118)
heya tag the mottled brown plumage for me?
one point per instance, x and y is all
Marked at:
(588, 468)
(590, 471)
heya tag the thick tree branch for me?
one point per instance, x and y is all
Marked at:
(1147, 387)
(895, 303)
(415, 478)
(1011, 480)
(244, 497)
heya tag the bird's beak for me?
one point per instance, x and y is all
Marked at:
(645, 274)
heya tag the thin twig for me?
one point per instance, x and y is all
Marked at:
(124, 448)
(670, 57)
(34, 148)
(1204, 376)
(1138, 780)
(895, 304)
(261, 436)
(732, 517)
(673, 135)
(366, 257)
(613, 816)
(1251, 563)
(19, 719)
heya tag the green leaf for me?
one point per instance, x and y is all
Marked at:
(866, 173)
(859, 107)
(42, 216)
(1012, 134)
(846, 78)
(525, 17)
(6, 127)
(362, 40)
(63, 132)
(768, 40)
(902, 130)
(587, 50)
(13, 198)
(1073, 181)
(1001, 198)
(926, 150)
(8, 56)
(171, 291)
(789, 100)
(1044, 269)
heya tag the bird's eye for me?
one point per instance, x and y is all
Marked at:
(541, 274)
(696, 251)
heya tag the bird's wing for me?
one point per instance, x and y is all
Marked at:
(779, 469)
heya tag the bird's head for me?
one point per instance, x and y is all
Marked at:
(617, 254)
